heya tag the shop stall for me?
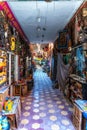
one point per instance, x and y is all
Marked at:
(72, 64)
(14, 53)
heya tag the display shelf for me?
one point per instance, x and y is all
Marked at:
(15, 113)
(79, 61)
(79, 45)
(4, 92)
(3, 67)
(3, 84)
(78, 78)
(2, 73)
(2, 57)
(77, 88)
(8, 68)
(11, 67)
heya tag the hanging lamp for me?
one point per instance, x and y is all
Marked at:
(38, 28)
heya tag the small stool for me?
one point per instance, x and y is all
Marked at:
(85, 116)
(17, 90)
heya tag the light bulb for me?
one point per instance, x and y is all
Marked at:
(38, 28)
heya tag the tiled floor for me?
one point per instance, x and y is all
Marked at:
(45, 108)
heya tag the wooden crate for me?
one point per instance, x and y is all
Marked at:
(17, 90)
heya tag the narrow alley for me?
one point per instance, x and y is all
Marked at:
(45, 108)
(43, 65)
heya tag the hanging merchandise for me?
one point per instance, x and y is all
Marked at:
(62, 72)
(8, 105)
(62, 40)
(7, 44)
(2, 35)
(6, 34)
(12, 43)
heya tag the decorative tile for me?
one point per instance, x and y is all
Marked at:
(24, 121)
(55, 98)
(48, 97)
(42, 108)
(36, 110)
(53, 118)
(35, 125)
(36, 117)
(28, 103)
(42, 96)
(51, 111)
(50, 106)
(27, 108)
(24, 129)
(70, 109)
(61, 106)
(36, 101)
(42, 99)
(36, 97)
(45, 106)
(26, 114)
(36, 105)
(55, 127)
(42, 114)
(65, 122)
(58, 102)
(49, 101)
(29, 99)
(66, 104)
(42, 103)
(64, 113)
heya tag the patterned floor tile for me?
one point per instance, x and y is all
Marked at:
(24, 129)
(64, 113)
(65, 122)
(58, 102)
(42, 114)
(53, 118)
(36, 110)
(42, 108)
(55, 127)
(61, 106)
(28, 103)
(36, 117)
(26, 114)
(36, 105)
(51, 111)
(24, 121)
(27, 107)
(36, 126)
(45, 108)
